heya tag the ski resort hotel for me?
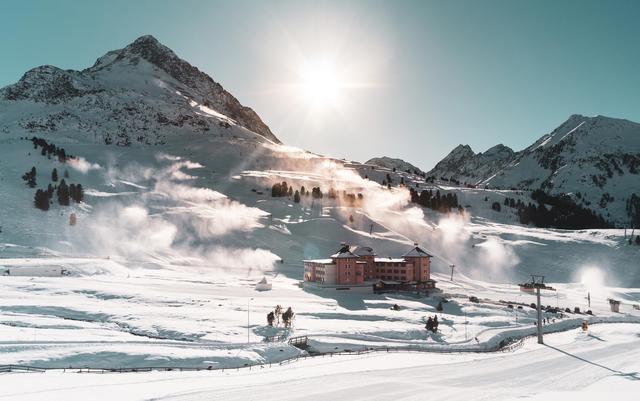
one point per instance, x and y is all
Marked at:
(358, 268)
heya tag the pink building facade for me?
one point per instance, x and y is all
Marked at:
(357, 266)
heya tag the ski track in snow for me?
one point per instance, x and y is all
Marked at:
(573, 365)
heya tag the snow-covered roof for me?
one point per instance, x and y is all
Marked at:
(390, 282)
(319, 261)
(389, 260)
(344, 253)
(416, 252)
(362, 250)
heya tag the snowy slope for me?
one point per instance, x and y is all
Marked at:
(573, 366)
(178, 225)
(596, 160)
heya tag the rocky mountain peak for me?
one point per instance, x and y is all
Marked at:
(393, 163)
(462, 149)
(170, 90)
(45, 83)
(499, 149)
(150, 49)
(596, 160)
(460, 152)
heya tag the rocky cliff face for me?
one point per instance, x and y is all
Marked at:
(134, 94)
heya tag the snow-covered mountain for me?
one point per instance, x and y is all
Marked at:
(596, 160)
(391, 163)
(140, 93)
(179, 222)
(466, 166)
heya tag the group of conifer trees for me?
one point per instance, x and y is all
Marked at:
(49, 149)
(441, 203)
(64, 193)
(282, 189)
(556, 211)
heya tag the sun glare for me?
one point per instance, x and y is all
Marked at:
(320, 83)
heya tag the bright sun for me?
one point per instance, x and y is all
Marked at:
(320, 83)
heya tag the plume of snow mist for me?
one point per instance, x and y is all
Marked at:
(82, 165)
(593, 279)
(208, 213)
(169, 223)
(240, 259)
(497, 257)
(453, 242)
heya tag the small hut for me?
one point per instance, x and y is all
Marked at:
(263, 285)
(615, 305)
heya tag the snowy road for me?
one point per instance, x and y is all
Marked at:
(573, 365)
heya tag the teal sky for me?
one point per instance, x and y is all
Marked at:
(422, 76)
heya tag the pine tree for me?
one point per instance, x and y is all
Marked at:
(275, 190)
(296, 197)
(72, 193)
(62, 156)
(63, 194)
(41, 200)
(54, 175)
(30, 177)
(79, 193)
(66, 173)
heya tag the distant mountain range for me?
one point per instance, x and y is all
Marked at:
(144, 93)
(596, 160)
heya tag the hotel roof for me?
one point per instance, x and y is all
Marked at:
(344, 253)
(389, 260)
(320, 261)
(416, 252)
(362, 250)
